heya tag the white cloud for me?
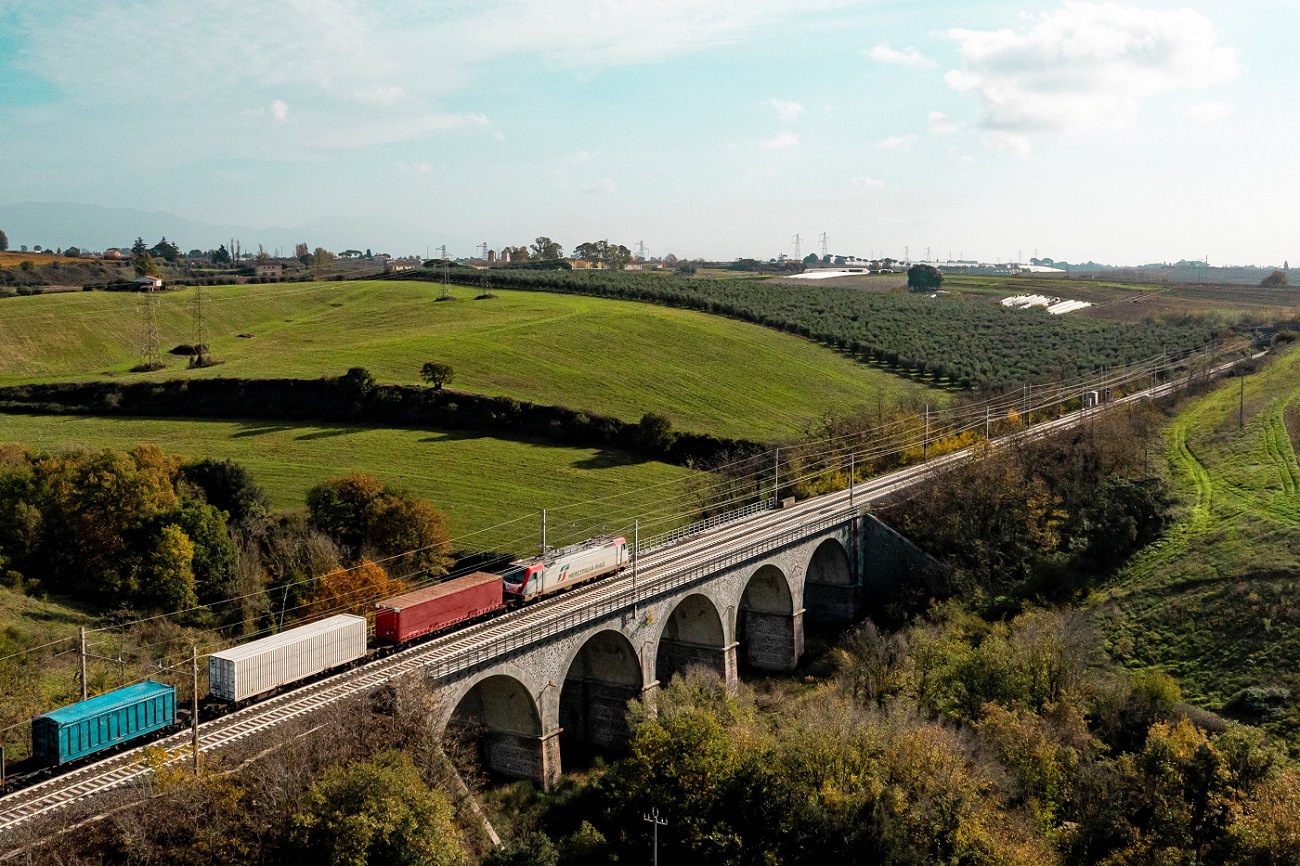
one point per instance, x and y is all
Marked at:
(941, 124)
(898, 142)
(417, 167)
(581, 156)
(386, 130)
(499, 136)
(380, 95)
(1086, 66)
(1007, 142)
(957, 154)
(782, 141)
(604, 185)
(909, 56)
(788, 111)
(1209, 112)
(865, 182)
(279, 110)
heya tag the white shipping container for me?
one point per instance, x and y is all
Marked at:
(262, 665)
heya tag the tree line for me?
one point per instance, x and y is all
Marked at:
(146, 530)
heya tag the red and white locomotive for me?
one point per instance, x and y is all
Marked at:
(527, 579)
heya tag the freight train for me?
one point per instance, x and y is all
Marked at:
(244, 673)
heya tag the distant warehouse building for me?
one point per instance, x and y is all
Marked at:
(393, 266)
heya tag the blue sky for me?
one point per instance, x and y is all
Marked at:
(1113, 131)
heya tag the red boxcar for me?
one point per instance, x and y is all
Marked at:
(406, 617)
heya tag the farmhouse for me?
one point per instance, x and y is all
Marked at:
(269, 270)
(146, 283)
(584, 265)
(393, 266)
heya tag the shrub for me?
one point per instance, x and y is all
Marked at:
(924, 278)
(1258, 702)
(357, 381)
(1275, 279)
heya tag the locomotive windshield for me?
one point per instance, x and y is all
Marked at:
(514, 576)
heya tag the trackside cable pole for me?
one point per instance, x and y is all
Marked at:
(194, 704)
(925, 443)
(83, 662)
(653, 818)
(1241, 405)
(852, 477)
(636, 555)
(543, 532)
(776, 477)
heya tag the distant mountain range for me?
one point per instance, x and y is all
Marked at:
(65, 224)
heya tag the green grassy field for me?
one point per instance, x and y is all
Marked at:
(482, 483)
(707, 374)
(1214, 602)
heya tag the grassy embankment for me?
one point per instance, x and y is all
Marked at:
(1214, 602)
(705, 373)
(479, 481)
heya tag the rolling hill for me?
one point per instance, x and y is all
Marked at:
(707, 374)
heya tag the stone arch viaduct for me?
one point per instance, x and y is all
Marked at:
(747, 611)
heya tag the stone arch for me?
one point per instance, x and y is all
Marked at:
(602, 676)
(769, 631)
(694, 636)
(830, 592)
(829, 564)
(499, 716)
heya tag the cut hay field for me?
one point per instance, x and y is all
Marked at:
(1215, 601)
(706, 373)
(482, 483)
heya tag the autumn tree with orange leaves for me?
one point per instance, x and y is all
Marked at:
(354, 590)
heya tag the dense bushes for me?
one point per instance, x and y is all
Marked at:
(367, 518)
(377, 811)
(354, 397)
(954, 741)
(1041, 518)
(970, 344)
(119, 528)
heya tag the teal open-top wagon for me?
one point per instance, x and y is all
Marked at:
(114, 717)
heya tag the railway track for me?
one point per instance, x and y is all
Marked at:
(660, 570)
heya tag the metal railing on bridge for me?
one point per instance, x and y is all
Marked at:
(672, 536)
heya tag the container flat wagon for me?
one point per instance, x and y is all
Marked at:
(261, 665)
(102, 722)
(414, 614)
(566, 567)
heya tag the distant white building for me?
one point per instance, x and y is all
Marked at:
(149, 282)
(392, 266)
